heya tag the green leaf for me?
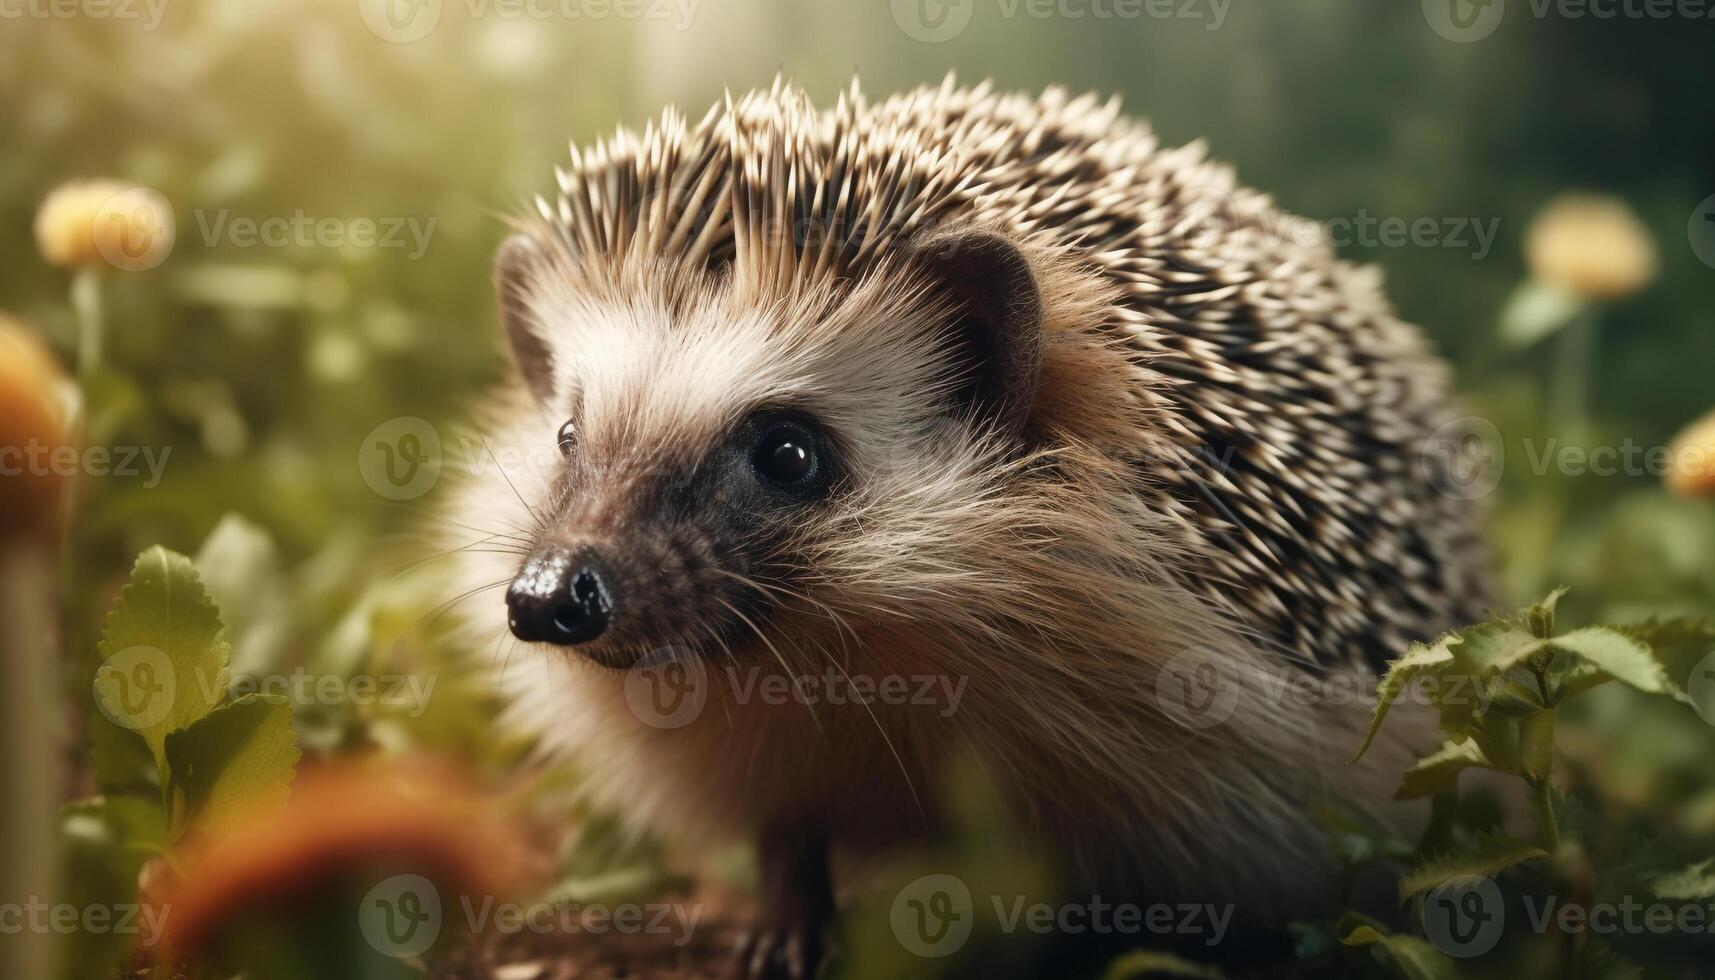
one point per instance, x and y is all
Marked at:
(240, 568)
(1490, 854)
(1495, 648)
(1621, 657)
(1693, 884)
(241, 755)
(1660, 633)
(1439, 771)
(1149, 963)
(1534, 311)
(1580, 678)
(1418, 660)
(164, 651)
(1539, 619)
(1411, 956)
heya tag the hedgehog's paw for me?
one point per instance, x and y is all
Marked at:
(792, 953)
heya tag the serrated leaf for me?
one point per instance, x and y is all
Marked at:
(1626, 659)
(1150, 963)
(1411, 956)
(164, 651)
(1693, 884)
(241, 755)
(1490, 854)
(1494, 648)
(1418, 660)
(1439, 771)
(1660, 633)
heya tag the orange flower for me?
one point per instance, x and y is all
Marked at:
(105, 223)
(1692, 460)
(1591, 245)
(32, 430)
(386, 846)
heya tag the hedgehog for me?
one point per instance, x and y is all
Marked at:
(991, 388)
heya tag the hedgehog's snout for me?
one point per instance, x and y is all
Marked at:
(561, 597)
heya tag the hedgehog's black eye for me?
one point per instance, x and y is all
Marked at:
(787, 457)
(568, 438)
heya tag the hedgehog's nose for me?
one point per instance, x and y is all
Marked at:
(558, 597)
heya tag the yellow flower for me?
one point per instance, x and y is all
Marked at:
(1691, 459)
(1591, 245)
(105, 222)
(32, 430)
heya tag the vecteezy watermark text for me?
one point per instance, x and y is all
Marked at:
(1467, 916)
(148, 12)
(934, 21)
(35, 458)
(302, 230)
(137, 687)
(670, 687)
(403, 915)
(35, 916)
(1466, 21)
(934, 915)
(404, 21)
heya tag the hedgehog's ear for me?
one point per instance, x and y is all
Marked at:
(998, 321)
(516, 268)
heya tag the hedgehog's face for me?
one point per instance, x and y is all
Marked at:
(713, 454)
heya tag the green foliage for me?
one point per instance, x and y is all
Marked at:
(1499, 688)
(1410, 956)
(1488, 855)
(164, 651)
(1143, 963)
(240, 755)
(163, 683)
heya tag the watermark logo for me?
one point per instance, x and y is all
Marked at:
(1465, 916)
(135, 687)
(1700, 230)
(400, 21)
(400, 459)
(667, 688)
(933, 916)
(1464, 21)
(1192, 690)
(1463, 458)
(401, 916)
(933, 21)
(134, 229)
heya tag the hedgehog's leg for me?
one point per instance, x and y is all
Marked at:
(797, 907)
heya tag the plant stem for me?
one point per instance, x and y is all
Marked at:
(1571, 374)
(28, 694)
(86, 303)
(1542, 801)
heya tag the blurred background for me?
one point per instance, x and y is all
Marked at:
(1538, 185)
